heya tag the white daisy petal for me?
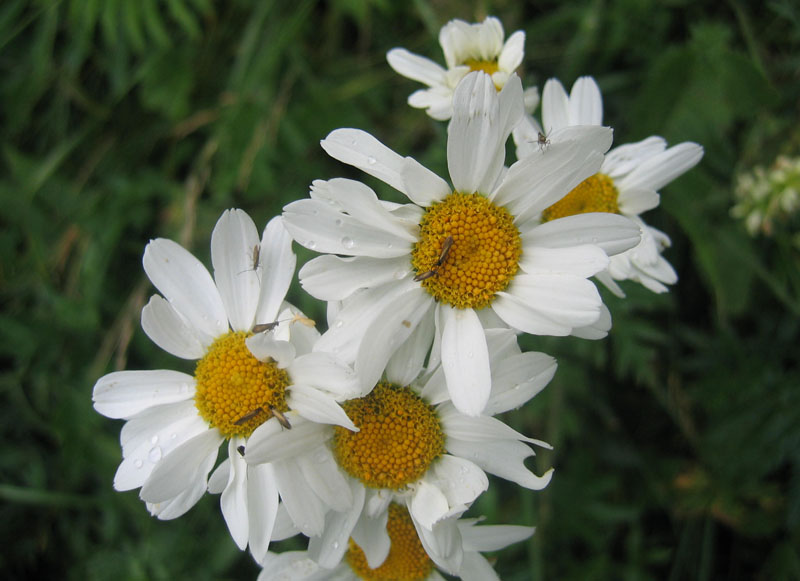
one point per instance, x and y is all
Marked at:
(123, 394)
(477, 429)
(624, 158)
(415, 67)
(443, 544)
(460, 480)
(586, 103)
(465, 359)
(428, 505)
(634, 201)
(360, 149)
(597, 330)
(548, 304)
(265, 348)
(178, 505)
(519, 379)
(262, 501)
(219, 477)
(326, 479)
(233, 501)
(370, 534)
(475, 154)
(321, 227)
(167, 329)
(278, 263)
(437, 101)
(182, 468)
(407, 362)
(658, 170)
(317, 406)
(187, 285)
(270, 442)
(422, 186)
(334, 278)
(555, 106)
(233, 244)
(290, 565)
(388, 331)
(361, 203)
(329, 548)
(584, 261)
(305, 509)
(325, 372)
(475, 567)
(151, 435)
(504, 459)
(513, 52)
(493, 537)
(611, 232)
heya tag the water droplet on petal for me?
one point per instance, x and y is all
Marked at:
(311, 245)
(335, 545)
(173, 435)
(470, 355)
(338, 324)
(348, 242)
(154, 440)
(138, 463)
(371, 160)
(339, 222)
(155, 454)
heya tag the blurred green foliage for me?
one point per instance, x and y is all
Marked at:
(677, 440)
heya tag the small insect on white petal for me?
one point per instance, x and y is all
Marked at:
(303, 320)
(542, 140)
(248, 416)
(281, 418)
(255, 258)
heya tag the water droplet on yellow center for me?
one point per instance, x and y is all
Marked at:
(594, 194)
(399, 437)
(484, 255)
(407, 559)
(236, 391)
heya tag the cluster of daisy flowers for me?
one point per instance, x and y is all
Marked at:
(374, 438)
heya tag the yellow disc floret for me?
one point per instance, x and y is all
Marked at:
(594, 194)
(407, 559)
(479, 261)
(488, 67)
(235, 391)
(399, 436)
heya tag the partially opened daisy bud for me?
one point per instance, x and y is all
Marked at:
(243, 383)
(390, 548)
(415, 448)
(457, 259)
(467, 47)
(626, 184)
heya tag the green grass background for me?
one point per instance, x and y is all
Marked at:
(677, 439)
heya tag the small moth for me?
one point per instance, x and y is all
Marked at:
(448, 244)
(248, 416)
(261, 327)
(281, 418)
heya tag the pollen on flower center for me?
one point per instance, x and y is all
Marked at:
(400, 435)
(488, 67)
(407, 559)
(594, 194)
(236, 391)
(479, 261)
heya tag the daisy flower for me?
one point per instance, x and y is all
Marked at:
(467, 47)
(415, 448)
(392, 549)
(460, 258)
(627, 183)
(243, 382)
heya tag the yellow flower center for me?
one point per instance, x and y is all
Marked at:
(479, 261)
(400, 436)
(236, 391)
(594, 194)
(488, 67)
(407, 559)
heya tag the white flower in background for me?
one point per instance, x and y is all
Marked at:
(459, 259)
(243, 383)
(390, 548)
(415, 448)
(627, 183)
(467, 47)
(768, 196)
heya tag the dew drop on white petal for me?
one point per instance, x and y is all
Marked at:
(184, 388)
(353, 142)
(154, 440)
(338, 222)
(173, 435)
(389, 245)
(155, 454)
(138, 463)
(398, 274)
(371, 160)
(348, 242)
(335, 545)
(311, 245)
(470, 355)
(338, 324)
